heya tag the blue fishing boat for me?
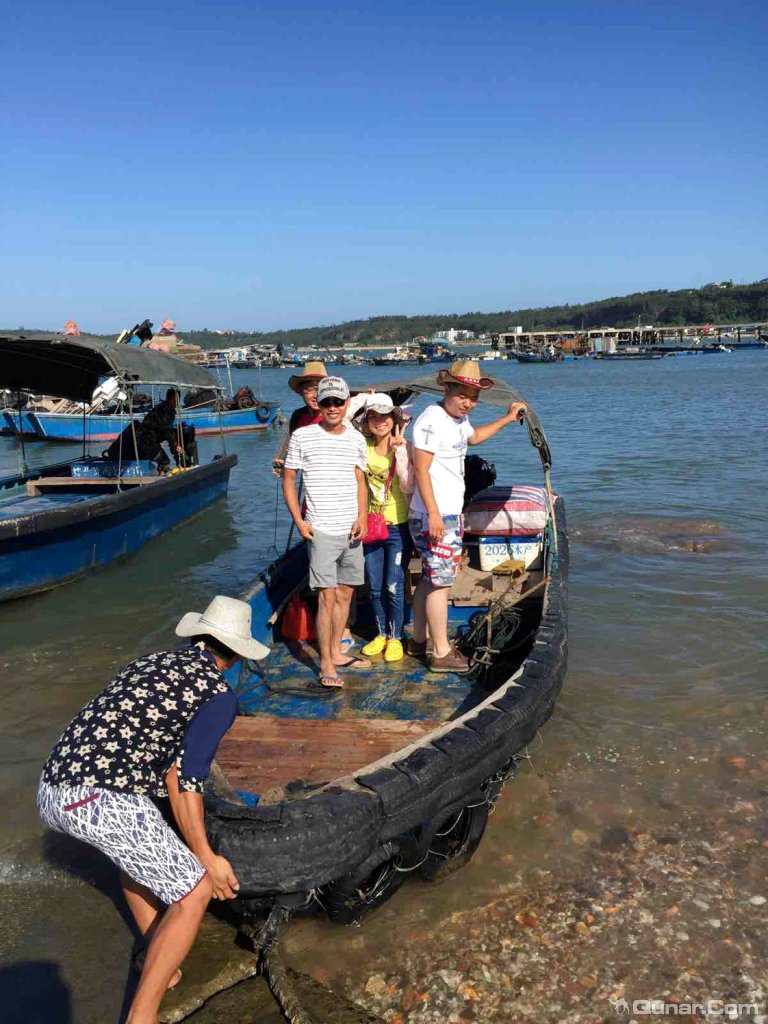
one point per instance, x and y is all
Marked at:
(333, 798)
(63, 520)
(76, 427)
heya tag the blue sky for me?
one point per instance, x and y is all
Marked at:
(274, 165)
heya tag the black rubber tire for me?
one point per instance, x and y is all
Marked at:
(263, 412)
(455, 841)
(351, 898)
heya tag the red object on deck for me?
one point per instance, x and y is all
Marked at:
(298, 623)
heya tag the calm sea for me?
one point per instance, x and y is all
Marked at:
(664, 472)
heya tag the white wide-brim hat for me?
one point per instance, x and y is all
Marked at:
(229, 620)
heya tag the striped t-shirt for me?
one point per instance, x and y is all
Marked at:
(327, 462)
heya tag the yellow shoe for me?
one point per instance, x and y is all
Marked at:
(394, 651)
(376, 646)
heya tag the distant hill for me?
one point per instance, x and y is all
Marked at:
(722, 302)
(715, 303)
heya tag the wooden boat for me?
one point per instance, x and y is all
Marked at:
(63, 520)
(336, 797)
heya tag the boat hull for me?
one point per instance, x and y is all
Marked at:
(43, 549)
(295, 846)
(71, 427)
(534, 357)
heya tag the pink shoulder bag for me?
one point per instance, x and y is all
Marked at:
(377, 524)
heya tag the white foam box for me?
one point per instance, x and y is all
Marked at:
(492, 551)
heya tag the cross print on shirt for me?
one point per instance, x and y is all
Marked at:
(427, 433)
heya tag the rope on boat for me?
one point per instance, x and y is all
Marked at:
(264, 942)
(493, 635)
(280, 978)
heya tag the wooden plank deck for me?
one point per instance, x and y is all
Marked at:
(263, 754)
(51, 483)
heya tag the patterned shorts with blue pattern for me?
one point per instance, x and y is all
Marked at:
(130, 830)
(440, 562)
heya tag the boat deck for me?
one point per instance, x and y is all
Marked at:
(403, 690)
(282, 757)
(24, 504)
(292, 735)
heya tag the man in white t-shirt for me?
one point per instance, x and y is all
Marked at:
(332, 457)
(440, 438)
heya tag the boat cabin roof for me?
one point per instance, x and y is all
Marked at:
(73, 367)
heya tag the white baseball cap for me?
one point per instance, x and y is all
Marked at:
(332, 387)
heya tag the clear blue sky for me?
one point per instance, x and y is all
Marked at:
(252, 165)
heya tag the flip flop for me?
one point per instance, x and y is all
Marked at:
(355, 663)
(331, 682)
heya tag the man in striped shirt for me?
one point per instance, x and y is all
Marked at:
(332, 457)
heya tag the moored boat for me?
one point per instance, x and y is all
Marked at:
(339, 796)
(74, 427)
(63, 520)
(544, 356)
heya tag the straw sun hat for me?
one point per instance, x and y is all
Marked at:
(313, 370)
(229, 620)
(467, 372)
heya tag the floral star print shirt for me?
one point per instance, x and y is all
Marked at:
(165, 707)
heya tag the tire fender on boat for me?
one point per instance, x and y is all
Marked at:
(454, 838)
(263, 412)
(361, 891)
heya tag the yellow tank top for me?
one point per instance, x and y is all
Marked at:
(396, 508)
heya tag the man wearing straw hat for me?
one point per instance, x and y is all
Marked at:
(154, 732)
(440, 438)
(304, 384)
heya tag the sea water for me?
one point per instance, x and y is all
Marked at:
(663, 468)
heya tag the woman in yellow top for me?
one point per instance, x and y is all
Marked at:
(390, 484)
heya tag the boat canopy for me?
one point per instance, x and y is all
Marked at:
(500, 394)
(68, 367)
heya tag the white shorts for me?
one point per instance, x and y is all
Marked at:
(130, 830)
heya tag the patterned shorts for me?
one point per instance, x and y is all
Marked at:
(440, 562)
(130, 830)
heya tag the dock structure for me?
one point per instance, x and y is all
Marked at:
(616, 339)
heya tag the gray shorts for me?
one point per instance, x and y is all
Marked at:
(130, 830)
(335, 559)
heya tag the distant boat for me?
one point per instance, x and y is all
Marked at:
(398, 357)
(545, 356)
(66, 519)
(613, 356)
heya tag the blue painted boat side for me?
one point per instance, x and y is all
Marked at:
(8, 423)
(67, 538)
(55, 426)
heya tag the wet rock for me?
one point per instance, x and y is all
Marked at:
(376, 985)
(214, 964)
(614, 838)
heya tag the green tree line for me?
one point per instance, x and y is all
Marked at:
(723, 302)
